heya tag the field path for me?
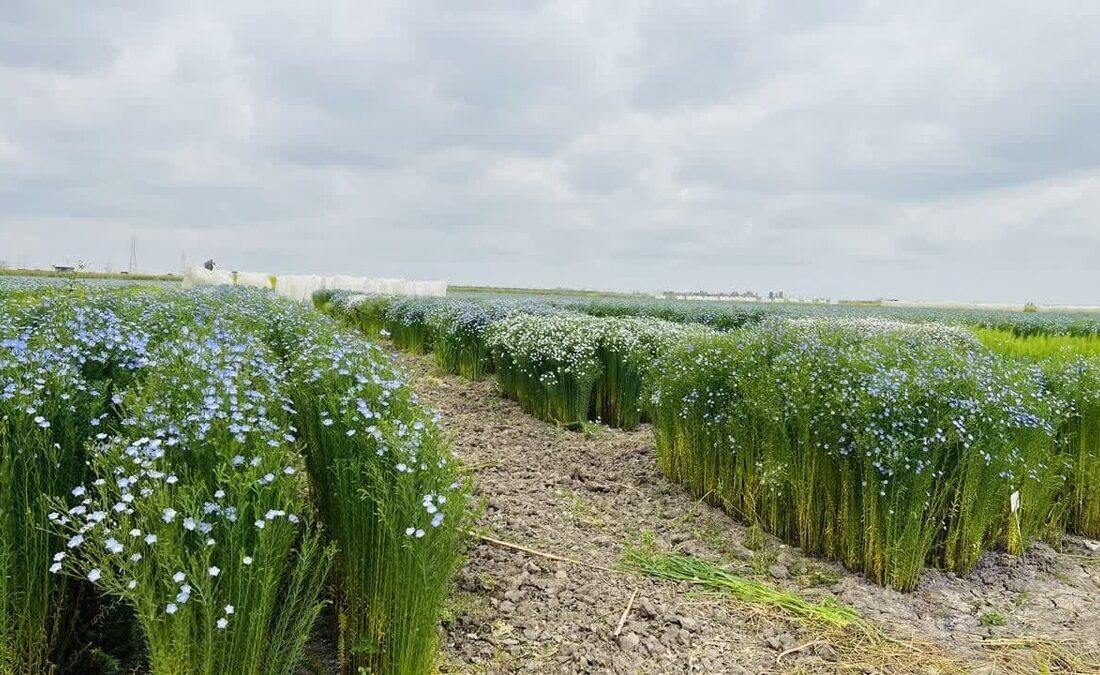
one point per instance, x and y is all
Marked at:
(590, 496)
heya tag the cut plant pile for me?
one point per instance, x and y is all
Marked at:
(596, 495)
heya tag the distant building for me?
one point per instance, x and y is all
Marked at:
(735, 296)
(63, 268)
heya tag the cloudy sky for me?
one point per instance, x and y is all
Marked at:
(934, 150)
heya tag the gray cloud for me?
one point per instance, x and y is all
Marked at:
(852, 149)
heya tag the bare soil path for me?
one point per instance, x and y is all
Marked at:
(591, 495)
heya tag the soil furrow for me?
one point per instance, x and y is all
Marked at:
(592, 495)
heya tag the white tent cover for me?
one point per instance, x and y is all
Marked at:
(300, 287)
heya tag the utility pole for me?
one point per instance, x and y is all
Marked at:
(133, 254)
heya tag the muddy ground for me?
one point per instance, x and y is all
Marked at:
(590, 496)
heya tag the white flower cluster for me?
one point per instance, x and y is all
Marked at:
(548, 347)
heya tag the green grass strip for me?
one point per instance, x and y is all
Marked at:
(708, 575)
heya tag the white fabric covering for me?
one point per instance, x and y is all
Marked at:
(254, 279)
(300, 287)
